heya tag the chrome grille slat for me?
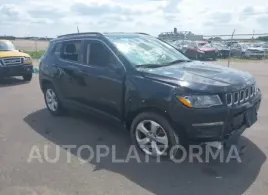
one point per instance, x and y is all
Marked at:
(12, 61)
(241, 96)
(236, 97)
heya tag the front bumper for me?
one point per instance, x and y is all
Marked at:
(208, 54)
(214, 124)
(16, 70)
(254, 55)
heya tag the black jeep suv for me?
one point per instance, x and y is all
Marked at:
(157, 93)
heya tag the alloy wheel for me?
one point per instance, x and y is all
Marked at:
(151, 138)
(51, 100)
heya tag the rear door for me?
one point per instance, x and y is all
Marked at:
(103, 77)
(67, 62)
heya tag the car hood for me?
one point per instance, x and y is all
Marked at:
(255, 48)
(15, 53)
(201, 76)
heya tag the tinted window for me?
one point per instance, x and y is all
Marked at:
(57, 49)
(98, 54)
(70, 50)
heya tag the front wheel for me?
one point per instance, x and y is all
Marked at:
(27, 77)
(153, 135)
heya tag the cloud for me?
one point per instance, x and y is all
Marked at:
(10, 12)
(248, 10)
(47, 12)
(99, 9)
(221, 17)
(263, 21)
(151, 16)
(171, 6)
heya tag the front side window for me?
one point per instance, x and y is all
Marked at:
(98, 54)
(146, 50)
(6, 46)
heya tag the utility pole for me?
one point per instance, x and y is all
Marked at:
(230, 48)
(77, 29)
(253, 34)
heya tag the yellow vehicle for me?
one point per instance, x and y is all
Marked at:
(13, 62)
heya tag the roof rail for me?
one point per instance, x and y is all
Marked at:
(126, 33)
(142, 33)
(81, 34)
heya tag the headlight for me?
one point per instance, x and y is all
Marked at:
(27, 60)
(200, 101)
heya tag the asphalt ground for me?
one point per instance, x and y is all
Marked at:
(25, 124)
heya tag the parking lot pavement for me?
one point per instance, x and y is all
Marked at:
(24, 123)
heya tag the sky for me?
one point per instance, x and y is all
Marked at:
(55, 17)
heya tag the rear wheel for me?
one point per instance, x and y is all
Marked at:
(153, 135)
(27, 77)
(52, 101)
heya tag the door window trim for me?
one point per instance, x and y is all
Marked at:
(113, 53)
(89, 39)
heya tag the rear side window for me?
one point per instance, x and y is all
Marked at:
(69, 50)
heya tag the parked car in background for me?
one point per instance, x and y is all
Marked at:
(246, 51)
(200, 51)
(181, 45)
(14, 62)
(223, 50)
(263, 46)
(230, 43)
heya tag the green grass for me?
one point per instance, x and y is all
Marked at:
(35, 54)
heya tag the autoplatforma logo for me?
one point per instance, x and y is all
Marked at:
(86, 153)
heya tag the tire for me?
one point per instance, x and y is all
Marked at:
(52, 101)
(27, 77)
(148, 120)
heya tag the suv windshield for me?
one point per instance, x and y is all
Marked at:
(6, 46)
(145, 50)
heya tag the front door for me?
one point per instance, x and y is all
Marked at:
(103, 76)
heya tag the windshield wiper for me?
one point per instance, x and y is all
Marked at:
(149, 65)
(177, 61)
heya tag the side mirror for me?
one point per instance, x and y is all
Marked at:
(116, 68)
